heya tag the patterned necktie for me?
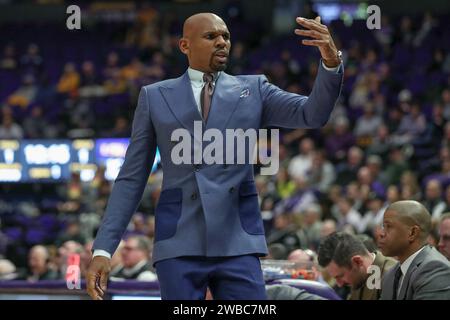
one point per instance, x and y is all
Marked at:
(206, 95)
(398, 275)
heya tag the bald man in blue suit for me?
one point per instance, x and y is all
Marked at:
(208, 230)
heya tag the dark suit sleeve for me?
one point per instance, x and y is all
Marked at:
(433, 282)
(289, 110)
(130, 183)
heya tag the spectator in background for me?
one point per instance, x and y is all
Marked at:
(328, 227)
(8, 60)
(422, 273)
(285, 186)
(347, 215)
(311, 225)
(8, 128)
(38, 265)
(412, 125)
(375, 165)
(368, 181)
(32, 62)
(302, 197)
(373, 217)
(433, 199)
(392, 194)
(367, 125)
(136, 265)
(321, 174)
(346, 259)
(397, 165)
(302, 163)
(7, 270)
(121, 128)
(348, 171)
(65, 252)
(381, 143)
(239, 60)
(286, 234)
(24, 95)
(307, 259)
(36, 125)
(72, 232)
(90, 83)
(112, 66)
(445, 97)
(69, 81)
(338, 143)
(409, 186)
(444, 235)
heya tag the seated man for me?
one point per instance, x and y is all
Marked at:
(444, 236)
(135, 260)
(346, 259)
(38, 265)
(422, 272)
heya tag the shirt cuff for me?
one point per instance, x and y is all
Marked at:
(334, 69)
(101, 253)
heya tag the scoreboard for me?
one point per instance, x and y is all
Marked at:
(56, 160)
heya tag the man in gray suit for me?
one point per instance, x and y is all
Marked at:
(422, 272)
(208, 226)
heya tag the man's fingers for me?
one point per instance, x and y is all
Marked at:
(103, 281)
(317, 19)
(317, 43)
(309, 33)
(99, 290)
(312, 24)
(91, 287)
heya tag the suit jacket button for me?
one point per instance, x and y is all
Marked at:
(231, 190)
(194, 196)
(196, 167)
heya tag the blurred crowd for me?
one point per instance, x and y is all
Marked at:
(388, 138)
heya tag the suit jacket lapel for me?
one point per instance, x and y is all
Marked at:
(181, 102)
(412, 268)
(224, 101)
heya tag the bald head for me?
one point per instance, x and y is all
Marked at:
(40, 251)
(413, 213)
(37, 259)
(196, 21)
(206, 42)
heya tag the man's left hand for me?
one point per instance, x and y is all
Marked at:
(321, 39)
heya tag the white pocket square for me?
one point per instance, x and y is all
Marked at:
(245, 93)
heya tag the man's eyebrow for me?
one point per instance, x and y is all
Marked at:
(216, 32)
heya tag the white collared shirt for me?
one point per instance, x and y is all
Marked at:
(405, 266)
(197, 84)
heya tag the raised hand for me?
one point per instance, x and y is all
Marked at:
(321, 38)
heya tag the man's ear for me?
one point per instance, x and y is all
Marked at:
(414, 233)
(357, 260)
(183, 44)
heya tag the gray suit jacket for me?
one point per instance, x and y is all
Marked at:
(428, 278)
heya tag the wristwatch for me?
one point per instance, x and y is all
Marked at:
(339, 58)
(339, 55)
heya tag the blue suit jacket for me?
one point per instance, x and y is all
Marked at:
(206, 210)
